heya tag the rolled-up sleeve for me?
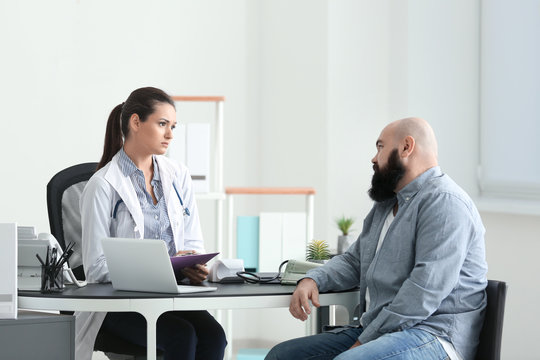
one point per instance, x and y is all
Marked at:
(340, 273)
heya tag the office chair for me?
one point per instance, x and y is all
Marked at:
(63, 193)
(489, 347)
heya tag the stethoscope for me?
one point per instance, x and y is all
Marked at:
(185, 210)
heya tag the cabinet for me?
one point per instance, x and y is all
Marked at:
(35, 335)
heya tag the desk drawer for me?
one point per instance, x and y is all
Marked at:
(35, 335)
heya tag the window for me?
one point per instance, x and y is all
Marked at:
(510, 98)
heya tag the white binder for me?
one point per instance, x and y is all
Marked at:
(8, 271)
(198, 155)
(282, 236)
(191, 146)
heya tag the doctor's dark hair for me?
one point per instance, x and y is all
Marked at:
(141, 102)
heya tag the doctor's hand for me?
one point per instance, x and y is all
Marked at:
(305, 290)
(196, 274)
(185, 252)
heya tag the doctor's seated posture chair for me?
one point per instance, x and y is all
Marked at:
(63, 194)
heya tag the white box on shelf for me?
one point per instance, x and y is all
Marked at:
(177, 148)
(191, 146)
(282, 236)
(269, 241)
(198, 155)
(293, 240)
(8, 271)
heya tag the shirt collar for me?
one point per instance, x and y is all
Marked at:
(128, 167)
(156, 169)
(414, 186)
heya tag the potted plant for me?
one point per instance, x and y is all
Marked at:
(317, 251)
(345, 239)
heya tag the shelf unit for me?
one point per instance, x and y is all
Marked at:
(216, 193)
(231, 192)
(216, 188)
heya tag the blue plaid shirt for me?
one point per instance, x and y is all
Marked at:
(156, 218)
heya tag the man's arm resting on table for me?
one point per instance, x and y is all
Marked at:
(305, 290)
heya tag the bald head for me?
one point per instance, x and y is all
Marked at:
(422, 133)
(412, 142)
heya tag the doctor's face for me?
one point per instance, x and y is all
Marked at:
(156, 133)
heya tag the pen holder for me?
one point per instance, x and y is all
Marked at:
(52, 279)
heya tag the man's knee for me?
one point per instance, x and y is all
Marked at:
(284, 351)
(276, 353)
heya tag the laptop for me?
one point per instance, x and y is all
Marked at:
(143, 265)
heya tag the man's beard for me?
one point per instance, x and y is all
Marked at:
(384, 181)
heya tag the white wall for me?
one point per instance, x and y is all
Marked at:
(65, 65)
(512, 247)
(358, 105)
(309, 85)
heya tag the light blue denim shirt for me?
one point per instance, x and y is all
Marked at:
(430, 272)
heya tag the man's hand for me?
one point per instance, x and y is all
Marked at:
(196, 274)
(305, 290)
(357, 343)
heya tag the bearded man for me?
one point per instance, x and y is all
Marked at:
(419, 264)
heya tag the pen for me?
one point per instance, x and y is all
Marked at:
(64, 258)
(47, 257)
(40, 260)
(69, 247)
(53, 256)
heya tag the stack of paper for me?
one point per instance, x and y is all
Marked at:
(26, 233)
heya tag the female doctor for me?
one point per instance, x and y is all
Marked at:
(139, 193)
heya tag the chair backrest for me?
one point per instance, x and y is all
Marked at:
(63, 194)
(491, 335)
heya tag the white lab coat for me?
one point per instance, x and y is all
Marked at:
(98, 200)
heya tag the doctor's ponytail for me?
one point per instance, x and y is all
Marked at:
(141, 102)
(113, 136)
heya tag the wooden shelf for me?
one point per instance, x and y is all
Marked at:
(210, 196)
(270, 190)
(199, 98)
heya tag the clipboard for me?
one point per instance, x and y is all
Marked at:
(180, 262)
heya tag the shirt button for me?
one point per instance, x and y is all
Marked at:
(407, 198)
(157, 217)
(157, 236)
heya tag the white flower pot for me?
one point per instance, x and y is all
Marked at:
(319, 261)
(344, 242)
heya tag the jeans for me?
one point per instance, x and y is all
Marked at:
(188, 335)
(410, 344)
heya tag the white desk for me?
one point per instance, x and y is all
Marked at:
(102, 297)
